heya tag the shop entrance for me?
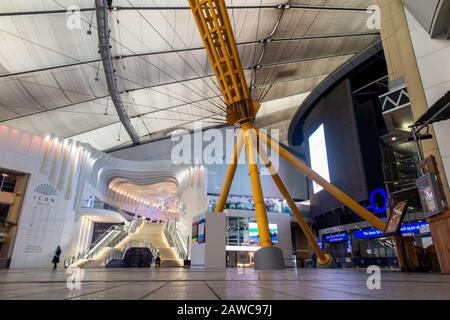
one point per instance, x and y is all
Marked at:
(378, 251)
(240, 259)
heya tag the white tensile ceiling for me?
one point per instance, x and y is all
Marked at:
(52, 78)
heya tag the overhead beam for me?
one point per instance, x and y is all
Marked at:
(108, 68)
(120, 8)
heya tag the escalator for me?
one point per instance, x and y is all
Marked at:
(94, 255)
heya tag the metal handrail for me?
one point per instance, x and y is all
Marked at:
(95, 204)
(111, 238)
(173, 238)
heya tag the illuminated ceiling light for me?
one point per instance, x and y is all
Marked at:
(394, 138)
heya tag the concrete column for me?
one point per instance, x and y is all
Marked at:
(402, 63)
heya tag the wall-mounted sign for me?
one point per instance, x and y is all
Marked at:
(396, 218)
(37, 229)
(430, 196)
(199, 229)
(367, 233)
(375, 233)
(337, 237)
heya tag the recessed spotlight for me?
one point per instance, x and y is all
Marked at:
(394, 138)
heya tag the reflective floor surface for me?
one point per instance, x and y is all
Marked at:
(240, 284)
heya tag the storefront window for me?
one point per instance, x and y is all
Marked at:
(375, 248)
(273, 205)
(237, 231)
(7, 181)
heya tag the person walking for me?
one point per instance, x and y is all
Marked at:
(157, 261)
(55, 260)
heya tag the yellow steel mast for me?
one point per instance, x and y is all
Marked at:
(216, 31)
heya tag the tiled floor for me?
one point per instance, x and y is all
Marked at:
(248, 284)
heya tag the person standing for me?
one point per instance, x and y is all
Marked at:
(55, 260)
(314, 260)
(158, 261)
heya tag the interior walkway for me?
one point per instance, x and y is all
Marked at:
(303, 284)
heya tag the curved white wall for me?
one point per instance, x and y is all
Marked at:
(62, 173)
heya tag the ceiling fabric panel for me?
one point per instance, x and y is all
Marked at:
(35, 92)
(335, 3)
(144, 31)
(305, 69)
(21, 6)
(157, 69)
(164, 126)
(71, 120)
(289, 88)
(184, 3)
(316, 48)
(10, 6)
(151, 104)
(43, 5)
(52, 79)
(40, 41)
(105, 138)
(301, 23)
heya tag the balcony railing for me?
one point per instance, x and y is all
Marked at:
(91, 204)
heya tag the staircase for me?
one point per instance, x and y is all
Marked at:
(147, 231)
(154, 232)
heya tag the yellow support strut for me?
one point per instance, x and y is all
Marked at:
(331, 189)
(216, 31)
(322, 258)
(230, 174)
(258, 198)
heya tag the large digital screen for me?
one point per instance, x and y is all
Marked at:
(333, 150)
(253, 233)
(318, 156)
